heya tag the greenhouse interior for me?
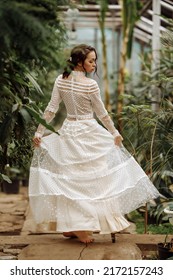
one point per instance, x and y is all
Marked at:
(133, 46)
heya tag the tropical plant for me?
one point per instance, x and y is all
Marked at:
(31, 36)
(102, 16)
(131, 11)
(157, 213)
(149, 134)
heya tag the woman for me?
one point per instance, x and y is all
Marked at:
(84, 179)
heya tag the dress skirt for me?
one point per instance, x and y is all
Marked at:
(82, 181)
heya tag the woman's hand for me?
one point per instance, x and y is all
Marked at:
(37, 141)
(118, 140)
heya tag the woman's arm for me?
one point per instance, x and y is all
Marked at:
(101, 112)
(49, 112)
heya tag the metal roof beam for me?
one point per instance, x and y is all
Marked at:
(166, 5)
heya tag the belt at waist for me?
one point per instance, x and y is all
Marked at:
(76, 119)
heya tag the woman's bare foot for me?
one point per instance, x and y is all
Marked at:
(84, 236)
(69, 234)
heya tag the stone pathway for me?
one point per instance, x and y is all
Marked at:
(56, 247)
(12, 212)
(21, 239)
(12, 217)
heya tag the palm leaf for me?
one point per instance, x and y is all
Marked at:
(39, 119)
(34, 83)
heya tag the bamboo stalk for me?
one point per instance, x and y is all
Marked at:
(151, 172)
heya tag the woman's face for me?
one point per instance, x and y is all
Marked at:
(90, 62)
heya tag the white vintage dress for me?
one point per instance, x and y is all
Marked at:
(80, 179)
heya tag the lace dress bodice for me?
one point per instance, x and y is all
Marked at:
(81, 96)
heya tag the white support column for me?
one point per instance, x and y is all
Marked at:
(156, 50)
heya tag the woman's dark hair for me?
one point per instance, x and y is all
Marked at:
(78, 54)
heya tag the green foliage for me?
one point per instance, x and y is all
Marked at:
(158, 212)
(137, 217)
(29, 29)
(103, 9)
(31, 37)
(4, 178)
(36, 115)
(130, 14)
(148, 134)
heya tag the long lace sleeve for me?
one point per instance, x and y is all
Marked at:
(50, 110)
(100, 110)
